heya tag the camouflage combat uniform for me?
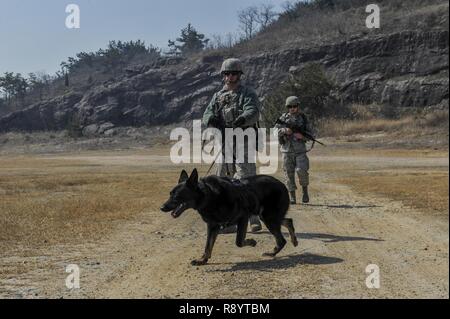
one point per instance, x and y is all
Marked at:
(242, 102)
(235, 108)
(294, 152)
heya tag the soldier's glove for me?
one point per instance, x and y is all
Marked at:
(287, 131)
(239, 122)
(299, 136)
(214, 122)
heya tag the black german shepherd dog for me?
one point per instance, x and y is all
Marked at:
(222, 201)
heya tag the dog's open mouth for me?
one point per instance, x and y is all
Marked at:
(177, 211)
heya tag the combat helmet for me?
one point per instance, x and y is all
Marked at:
(292, 101)
(231, 65)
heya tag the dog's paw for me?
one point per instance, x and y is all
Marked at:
(250, 242)
(295, 242)
(199, 262)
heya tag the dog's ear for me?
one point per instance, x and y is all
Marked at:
(183, 177)
(193, 179)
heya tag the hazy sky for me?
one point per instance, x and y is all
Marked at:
(33, 35)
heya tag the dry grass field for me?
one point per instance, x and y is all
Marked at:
(395, 176)
(104, 207)
(51, 201)
(407, 127)
(425, 190)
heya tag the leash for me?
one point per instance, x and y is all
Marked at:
(214, 162)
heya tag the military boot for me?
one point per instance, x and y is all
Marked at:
(305, 198)
(228, 229)
(255, 224)
(293, 199)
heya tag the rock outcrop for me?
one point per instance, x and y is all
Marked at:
(407, 69)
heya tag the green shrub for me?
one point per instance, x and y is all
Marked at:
(311, 85)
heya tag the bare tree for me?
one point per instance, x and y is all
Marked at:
(231, 39)
(288, 6)
(215, 41)
(223, 41)
(218, 41)
(248, 21)
(265, 15)
(289, 9)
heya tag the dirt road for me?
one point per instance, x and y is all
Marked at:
(340, 232)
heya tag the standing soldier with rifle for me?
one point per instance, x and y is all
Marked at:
(293, 147)
(235, 105)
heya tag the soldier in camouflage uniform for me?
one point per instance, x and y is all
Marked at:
(234, 106)
(293, 149)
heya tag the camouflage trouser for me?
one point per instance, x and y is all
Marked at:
(295, 163)
(236, 170)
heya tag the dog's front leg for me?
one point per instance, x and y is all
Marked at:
(213, 231)
(242, 232)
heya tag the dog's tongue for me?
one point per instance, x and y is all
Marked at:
(177, 210)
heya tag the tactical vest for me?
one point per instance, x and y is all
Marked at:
(289, 144)
(230, 105)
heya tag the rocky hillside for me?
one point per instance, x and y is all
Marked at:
(402, 69)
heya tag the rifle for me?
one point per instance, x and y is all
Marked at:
(299, 129)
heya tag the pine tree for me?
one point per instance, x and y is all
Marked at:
(190, 42)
